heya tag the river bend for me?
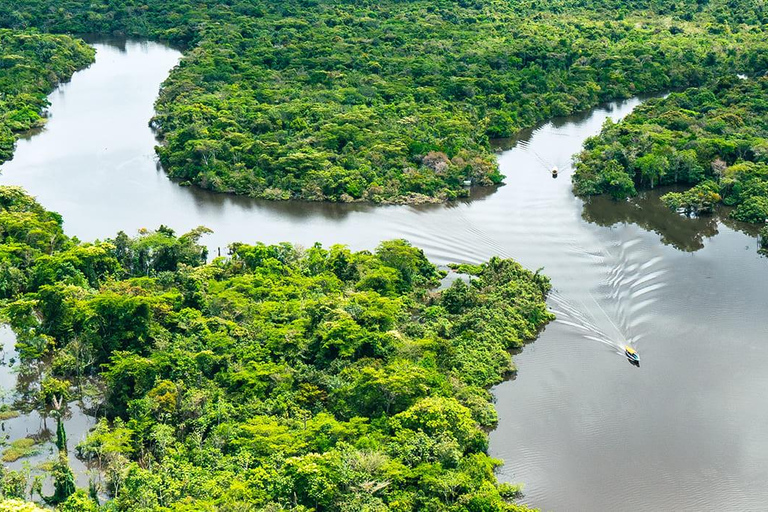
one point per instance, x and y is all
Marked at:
(579, 426)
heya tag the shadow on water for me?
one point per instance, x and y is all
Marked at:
(122, 43)
(647, 211)
(297, 210)
(117, 42)
(685, 233)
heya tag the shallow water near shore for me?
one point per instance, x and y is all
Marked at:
(32, 425)
(582, 428)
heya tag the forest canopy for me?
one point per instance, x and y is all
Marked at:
(713, 139)
(396, 101)
(31, 65)
(278, 376)
(281, 377)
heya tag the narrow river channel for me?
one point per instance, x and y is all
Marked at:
(582, 428)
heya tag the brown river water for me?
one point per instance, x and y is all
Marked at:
(579, 426)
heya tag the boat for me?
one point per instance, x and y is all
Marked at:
(631, 354)
(554, 172)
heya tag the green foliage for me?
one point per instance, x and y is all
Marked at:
(31, 64)
(78, 502)
(714, 137)
(23, 447)
(61, 435)
(13, 484)
(63, 481)
(395, 101)
(764, 240)
(753, 209)
(278, 376)
(35, 253)
(6, 413)
(159, 251)
(697, 200)
(107, 442)
(16, 505)
(612, 179)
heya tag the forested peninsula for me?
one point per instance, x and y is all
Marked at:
(396, 101)
(713, 139)
(278, 376)
(31, 65)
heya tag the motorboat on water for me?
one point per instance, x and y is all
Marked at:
(631, 354)
(554, 172)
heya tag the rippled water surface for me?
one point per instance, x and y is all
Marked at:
(583, 429)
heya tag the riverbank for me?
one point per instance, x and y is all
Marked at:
(574, 402)
(273, 101)
(296, 359)
(32, 64)
(711, 139)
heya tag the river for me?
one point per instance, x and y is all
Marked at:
(582, 428)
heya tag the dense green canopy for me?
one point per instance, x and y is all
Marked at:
(396, 100)
(275, 377)
(289, 378)
(715, 138)
(31, 64)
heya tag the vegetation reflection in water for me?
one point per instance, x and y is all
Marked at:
(712, 139)
(684, 232)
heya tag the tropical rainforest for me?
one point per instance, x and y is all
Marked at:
(287, 378)
(31, 64)
(712, 139)
(277, 377)
(396, 101)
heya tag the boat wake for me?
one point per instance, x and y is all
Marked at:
(615, 312)
(579, 318)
